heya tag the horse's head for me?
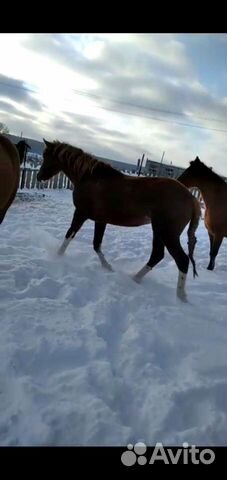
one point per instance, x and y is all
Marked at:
(51, 164)
(192, 173)
(196, 164)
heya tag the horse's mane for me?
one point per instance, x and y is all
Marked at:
(84, 164)
(210, 174)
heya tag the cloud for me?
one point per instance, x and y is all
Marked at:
(152, 71)
(13, 89)
(116, 94)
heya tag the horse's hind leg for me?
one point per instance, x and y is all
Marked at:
(157, 255)
(76, 224)
(211, 237)
(97, 242)
(182, 260)
(2, 216)
(215, 243)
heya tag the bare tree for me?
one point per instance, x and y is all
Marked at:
(4, 130)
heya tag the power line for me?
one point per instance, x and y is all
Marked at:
(81, 93)
(144, 107)
(163, 120)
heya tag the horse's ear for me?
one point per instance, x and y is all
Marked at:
(195, 162)
(48, 144)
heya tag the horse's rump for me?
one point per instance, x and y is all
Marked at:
(9, 174)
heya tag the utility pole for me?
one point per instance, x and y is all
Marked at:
(160, 169)
(141, 164)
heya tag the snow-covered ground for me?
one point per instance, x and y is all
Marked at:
(88, 357)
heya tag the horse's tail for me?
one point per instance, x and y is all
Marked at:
(194, 223)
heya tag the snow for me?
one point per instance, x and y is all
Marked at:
(89, 357)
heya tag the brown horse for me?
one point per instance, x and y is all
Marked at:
(9, 174)
(214, 192)
(105, 195)
(22, 147)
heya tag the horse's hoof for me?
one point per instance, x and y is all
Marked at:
(108, 268)
(182, 297)
(210, 267)
(137, 279)
(184, 300)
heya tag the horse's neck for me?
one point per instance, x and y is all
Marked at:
(208, 189)
(68, 168)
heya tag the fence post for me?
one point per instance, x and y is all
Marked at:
(23, 177)
(141, 164)
(24, 168)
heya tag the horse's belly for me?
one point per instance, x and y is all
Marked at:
(126, 222)
(215, 225)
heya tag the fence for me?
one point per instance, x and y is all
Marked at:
(28, 180)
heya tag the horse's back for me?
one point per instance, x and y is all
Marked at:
(164, 191)
(9, 174)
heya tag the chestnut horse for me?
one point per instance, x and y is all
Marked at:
(11, 156)
(106, 195)
(214, 192)
(9, 174)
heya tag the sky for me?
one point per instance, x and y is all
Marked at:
(120, 95)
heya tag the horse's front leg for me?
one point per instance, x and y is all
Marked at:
(215, 243)
(76, 224)
(97, 242)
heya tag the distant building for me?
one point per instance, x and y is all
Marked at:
(158, 169)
